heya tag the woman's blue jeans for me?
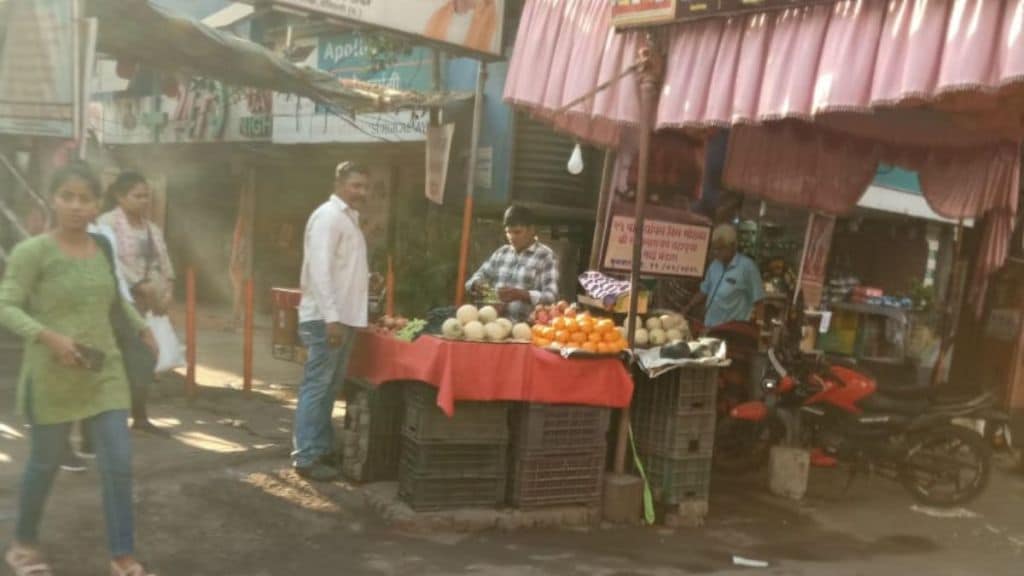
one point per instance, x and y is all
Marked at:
(112, 442)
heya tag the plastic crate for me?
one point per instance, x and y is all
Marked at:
(682, 390)
(384, 404)
(674, 435)
(558, 480)
(376, 461)
(427, 494)
(446, 460)
(472, 423)
(678, 480)
(557, 428)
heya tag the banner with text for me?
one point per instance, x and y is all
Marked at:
(439, 149)
(670, 248)
(471, 25)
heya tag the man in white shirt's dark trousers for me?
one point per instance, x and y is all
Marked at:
(335, 285)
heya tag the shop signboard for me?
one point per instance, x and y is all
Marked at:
(813, 267)
(473, 26)
(671, 246)
(37, 83)
(302, 121)
(636, 13)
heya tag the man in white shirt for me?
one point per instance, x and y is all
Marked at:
(335, 286)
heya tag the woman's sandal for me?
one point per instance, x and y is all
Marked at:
(26, 562)
(134, 570)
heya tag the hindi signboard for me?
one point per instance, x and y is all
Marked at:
(469, 25)
(439, 148)
(37, 72)
(670, 248)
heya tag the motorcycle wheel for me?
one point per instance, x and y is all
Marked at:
(742, 446)
(946, 466)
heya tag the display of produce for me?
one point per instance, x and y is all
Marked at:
(400, 328)
(580, 332)
(482, 325)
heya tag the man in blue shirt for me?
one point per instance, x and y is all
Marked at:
(732, 286)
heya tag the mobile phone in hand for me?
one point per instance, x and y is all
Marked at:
(92, 359)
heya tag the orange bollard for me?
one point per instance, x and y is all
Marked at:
(249, 336)
(190, 332)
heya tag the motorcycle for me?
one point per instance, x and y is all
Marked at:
(837, 410)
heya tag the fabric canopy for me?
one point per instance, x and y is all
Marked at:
(145, 33)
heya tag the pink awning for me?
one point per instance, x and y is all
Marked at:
(961, 56)
(564, 49)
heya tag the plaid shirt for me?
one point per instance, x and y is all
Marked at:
(535, 270)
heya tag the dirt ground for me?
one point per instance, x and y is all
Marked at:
(218, 499)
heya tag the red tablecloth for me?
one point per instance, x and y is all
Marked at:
(481, 371)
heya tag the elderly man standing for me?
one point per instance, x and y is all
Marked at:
(732, 286)
(335, 286)
(524, 271)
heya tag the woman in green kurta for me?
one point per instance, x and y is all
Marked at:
(59, 293)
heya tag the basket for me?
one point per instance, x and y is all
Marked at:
(558, 480)
(431, 494)
(555, 428)
(446, 460)
(674, 481)
(472, 423)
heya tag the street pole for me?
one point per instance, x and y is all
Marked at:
(650, 80)
(467, 213)
(604, 203)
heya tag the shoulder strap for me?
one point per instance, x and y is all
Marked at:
(108, 251)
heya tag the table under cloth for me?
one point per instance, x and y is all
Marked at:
(491, 371)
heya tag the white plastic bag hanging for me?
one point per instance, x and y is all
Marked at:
(170, 354)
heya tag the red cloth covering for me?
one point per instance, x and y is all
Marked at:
(481, 371)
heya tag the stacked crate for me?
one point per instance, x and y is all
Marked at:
(673, 420)
(457, 462)
(558, 455)
(371, 440)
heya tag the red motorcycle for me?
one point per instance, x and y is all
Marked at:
(837, 411)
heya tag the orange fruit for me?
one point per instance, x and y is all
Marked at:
(558, 323)
(612, 336)
(595, 337)
(538, 329)
(578, 337)
(603, 348)
(547, 333)
(586, 325)
(590, 347)
(605, 325)
(542, 342)
(570, 313)
(561, 336)
(572, 325)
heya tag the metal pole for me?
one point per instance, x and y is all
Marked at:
(190, 332)
(76, 71)
(467, 213)
(91, 29)
(604, 203)
(649, 80)
(249, 336)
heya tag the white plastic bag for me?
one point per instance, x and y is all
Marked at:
(171, 355)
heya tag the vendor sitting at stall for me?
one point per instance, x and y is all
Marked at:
(732, 286)
(524, 272)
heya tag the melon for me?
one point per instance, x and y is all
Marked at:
(494, 331)
(452, 328)
(642, 337)
(487, 315)
(522, 331)
(669, 321)
(467, 313)
(658, 337)
(674, 335)
(474, 330)
(654, 324)
(507, 324)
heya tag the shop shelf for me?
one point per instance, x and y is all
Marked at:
(678, 480)
(447, 460)
(674, 435)
(428, 494)
(558, 428)
(557, 480)
(472, 423)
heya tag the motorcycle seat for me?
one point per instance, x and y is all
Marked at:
(924, 403)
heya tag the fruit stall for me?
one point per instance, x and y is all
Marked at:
(469, 409)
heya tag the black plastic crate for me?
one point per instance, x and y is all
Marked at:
(378, 462)
(384, 404)
(678, 480)
(427, 494)
(559, 428)
(447, 460)
(681, 390)
(558, 480)
(674, 435)
(472, 422)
